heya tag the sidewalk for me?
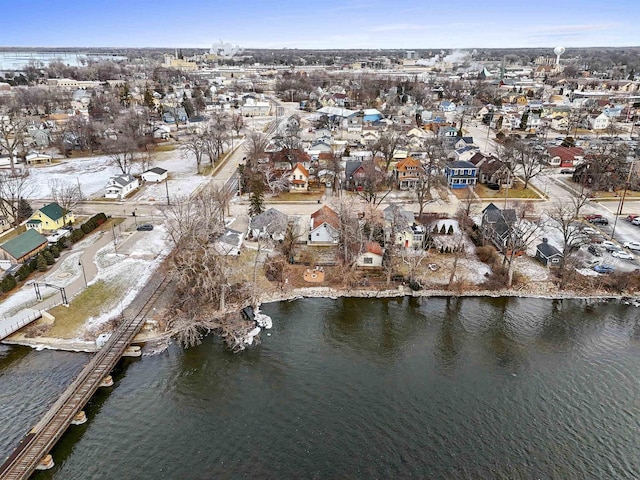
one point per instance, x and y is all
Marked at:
(29, 310)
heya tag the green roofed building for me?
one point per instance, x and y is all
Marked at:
(50, 218)
(23, 247)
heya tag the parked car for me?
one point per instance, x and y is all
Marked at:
(632, 217)
(632, 245)
(636, 221)
(145, 227)
(596, 238)
(600, 221)
(567, 171)
(593, 250)
(589, 231)
(603, 269)
(622, 254)
(592, 262)
(591, 216)
(609, 246)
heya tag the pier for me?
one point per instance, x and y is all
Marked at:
(33, 450)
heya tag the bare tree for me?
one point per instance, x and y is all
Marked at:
(13, 188)
(275, 180)
(66, 194)
(388, 145)
(464, 215)
(196, 145)
(374, 186)
(255, 146)
(521, 159)
(519, 234)
(351, 241)
(237, 123)
(564, 217)
(121, 151)
(12, 135)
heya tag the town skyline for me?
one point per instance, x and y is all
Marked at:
(340, 25)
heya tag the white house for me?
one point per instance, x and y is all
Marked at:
(298, 178)
(598, 122)
(35, 158)
(324, 227)
(154, 175)
(121, 186)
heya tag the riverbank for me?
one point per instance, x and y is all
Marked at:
(157, 341)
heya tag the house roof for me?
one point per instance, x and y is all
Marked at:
(293, 156)
(53, 211)
(408, 162)
(272, 220)
(395, 210)
(300, 167)
(24, 243)
(374, 247)
(325, 215)
(462, 164)
(548, 250)
(123, 180)
(157, 170)
(565, 153)
(351, 167)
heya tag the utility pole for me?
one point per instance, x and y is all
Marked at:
(115, 243)
(166, 184)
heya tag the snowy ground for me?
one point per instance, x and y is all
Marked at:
(92, 174)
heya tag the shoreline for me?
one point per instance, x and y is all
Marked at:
(162, 339)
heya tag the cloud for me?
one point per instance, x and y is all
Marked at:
(549, 31)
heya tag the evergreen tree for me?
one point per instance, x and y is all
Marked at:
(48, 257)
(148, 98)
(8, 283)
(55, 251)
(125, 95)
(41, 263)
(188, 106)
(256, 204)
(450, 230)
(24, 210)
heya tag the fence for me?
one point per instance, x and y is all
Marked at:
(18, 324)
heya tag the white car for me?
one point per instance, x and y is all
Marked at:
(609, 246)
(635, 221)
(622, 254)
(632, 245)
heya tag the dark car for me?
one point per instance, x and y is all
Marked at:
(600, 221)
(593, 250)
(603, 269)
(493, 186)
(567, 171)
(145, 227)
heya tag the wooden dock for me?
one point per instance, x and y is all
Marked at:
(46, 433)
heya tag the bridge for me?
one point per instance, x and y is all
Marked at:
(37, 444)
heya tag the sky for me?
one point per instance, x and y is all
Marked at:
(321, 24)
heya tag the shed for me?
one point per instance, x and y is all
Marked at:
(548, 255)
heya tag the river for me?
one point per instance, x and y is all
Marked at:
(353, 388)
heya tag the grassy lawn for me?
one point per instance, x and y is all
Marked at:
(299, 197)
(517, 191)
(165, 147)
(13, 233)
(91, 302)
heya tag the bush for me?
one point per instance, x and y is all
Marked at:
(55, 251)
(8, 283)
(48, 257)
(86, 228)
(76, 235)
(487, 254)
(33, 264)
(42, 263)
(61, 244)
(450, 230)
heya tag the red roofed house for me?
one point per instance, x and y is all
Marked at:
(407, 173)
(324, 227)
(299, 179)
(371, 256)
(565, 156)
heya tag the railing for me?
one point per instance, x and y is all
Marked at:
(14, 327)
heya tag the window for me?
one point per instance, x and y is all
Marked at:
(368, 261)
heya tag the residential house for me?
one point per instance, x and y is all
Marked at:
(461, 174)
(597, 121)
(492, 170)
(371, 257)
(228, 243)
(465, 142)
(299, 179)
(371, 115)
(121, 186)
(285, 159)
(23, 247)
(401, 224)
(354, 174)
(548, 255)
(407, 173)
(464, 153)
(271, 223)
(447, 106)
(560, 123)
(499, 227)
(324, 227)
(49, 218)
(565, 156)
(155, 175)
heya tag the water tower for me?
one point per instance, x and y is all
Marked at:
(558, 51)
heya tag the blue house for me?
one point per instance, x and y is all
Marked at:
(447, 106)
(371, 115)
(461, 174)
